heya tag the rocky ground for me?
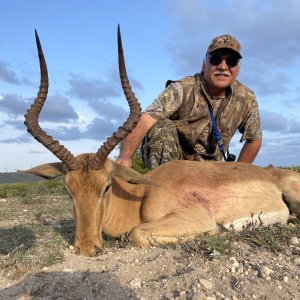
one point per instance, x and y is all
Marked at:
(165, 273)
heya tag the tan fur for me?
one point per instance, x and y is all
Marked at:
(178, 200)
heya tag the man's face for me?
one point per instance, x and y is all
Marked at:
(220, 69)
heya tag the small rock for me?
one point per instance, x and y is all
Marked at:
(285, 279)
(3, 200)
(206, 284)
(297, 261)
(240, 269)
(219, 295)
(294, 241)
(182, 295)
(68, 270)
(268, 278)
(136, 283)
(199, 296)
(265, 271)
(214, 253)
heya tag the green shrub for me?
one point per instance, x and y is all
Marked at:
(138, 164)
(22, 189)
(294, 168)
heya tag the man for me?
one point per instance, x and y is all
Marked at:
(179, 125)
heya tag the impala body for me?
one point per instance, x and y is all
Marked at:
(178, 200)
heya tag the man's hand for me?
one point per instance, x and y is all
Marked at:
(130, 144)
(126, 162)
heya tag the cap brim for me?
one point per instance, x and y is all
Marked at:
(213, 50)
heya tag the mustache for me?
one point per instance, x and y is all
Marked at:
(222, 73)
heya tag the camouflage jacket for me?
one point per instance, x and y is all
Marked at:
(185, 102)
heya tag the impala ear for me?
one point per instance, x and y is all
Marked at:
(48, 171)
(128, 175)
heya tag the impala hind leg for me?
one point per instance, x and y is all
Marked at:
(174, 227)
(292, 198)
(293, 204)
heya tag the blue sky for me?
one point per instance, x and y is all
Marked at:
(162, 40)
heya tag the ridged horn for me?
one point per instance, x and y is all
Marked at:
(31, 118)
(134, 114)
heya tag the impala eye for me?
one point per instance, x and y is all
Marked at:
(106, 188)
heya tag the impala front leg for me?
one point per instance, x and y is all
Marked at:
(180, 225)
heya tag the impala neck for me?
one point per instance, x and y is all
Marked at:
(123, 208)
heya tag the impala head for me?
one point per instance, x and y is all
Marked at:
(88, 176)
(89, 190)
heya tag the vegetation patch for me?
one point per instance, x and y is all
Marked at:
(138, 164)
(274, 238)
(30, 190)
(294, 168)
(36, 225)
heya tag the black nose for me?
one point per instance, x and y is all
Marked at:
(98, 251)
(77, 250)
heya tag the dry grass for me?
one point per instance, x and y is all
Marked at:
(36, 225)
(274, 238)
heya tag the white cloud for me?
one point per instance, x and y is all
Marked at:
(274, 121)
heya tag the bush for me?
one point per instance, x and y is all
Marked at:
(138, 164)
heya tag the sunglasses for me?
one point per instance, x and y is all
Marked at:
(231, 61)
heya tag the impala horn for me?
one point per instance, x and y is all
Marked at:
(31, 118)
(131, 122)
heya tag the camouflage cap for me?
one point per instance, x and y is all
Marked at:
(225, 41)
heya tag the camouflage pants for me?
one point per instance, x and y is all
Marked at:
(161, 144)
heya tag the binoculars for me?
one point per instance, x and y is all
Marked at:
(230, 157)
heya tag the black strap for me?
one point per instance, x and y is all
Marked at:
(216, 132)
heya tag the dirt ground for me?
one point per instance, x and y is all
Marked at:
(158, 273)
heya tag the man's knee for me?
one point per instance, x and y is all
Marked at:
(161, 144)
(162, 129)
